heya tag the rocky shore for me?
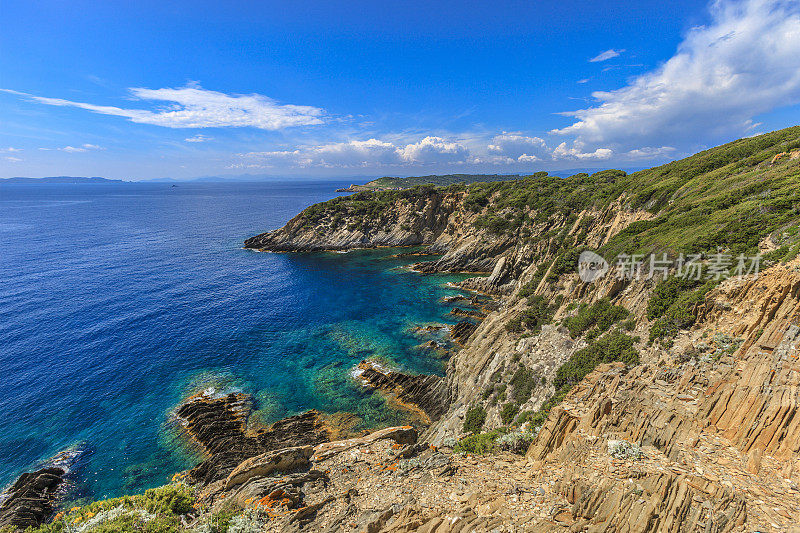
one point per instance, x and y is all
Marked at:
(641, 404)
(219, 425)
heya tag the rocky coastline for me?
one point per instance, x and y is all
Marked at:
(622, 404)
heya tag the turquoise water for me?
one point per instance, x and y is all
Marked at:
(119, 300)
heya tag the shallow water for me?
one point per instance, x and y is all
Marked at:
(118, 300)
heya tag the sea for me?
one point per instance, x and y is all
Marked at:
(119, 300)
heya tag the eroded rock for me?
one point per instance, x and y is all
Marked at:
(423, 393)
(219, 426)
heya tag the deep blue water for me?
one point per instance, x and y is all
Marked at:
(119, 300)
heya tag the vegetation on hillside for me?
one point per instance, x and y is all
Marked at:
(157, 510)
(438, 180)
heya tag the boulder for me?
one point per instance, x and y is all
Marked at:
(284, 460)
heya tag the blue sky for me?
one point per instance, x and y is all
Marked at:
(139, 90)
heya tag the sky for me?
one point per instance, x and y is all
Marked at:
(144, 90)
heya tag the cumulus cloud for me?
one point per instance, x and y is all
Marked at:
(740, 65)
(195, 107)
(369, 153)
(519, 147)
(650, 152)
(577, 152)
(605, 56)
(433, 150)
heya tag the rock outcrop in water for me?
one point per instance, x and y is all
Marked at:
(32, 498)
(219, 425)
(425, 216)
(462, 331)
(425, 394)
(681, 417)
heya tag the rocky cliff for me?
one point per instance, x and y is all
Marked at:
(657, 403)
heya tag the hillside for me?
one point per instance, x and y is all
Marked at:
(388, 183)
(624, 403)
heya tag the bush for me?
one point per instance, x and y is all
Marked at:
(473, 421)
(156, 511)
(537, 314)
(620, 449)
(479, 444)
(681, 314)
(515, 442)
(665, 293)
(523, 381)
(508, 412)
(565, 263)
(614, 346)
(601, 314)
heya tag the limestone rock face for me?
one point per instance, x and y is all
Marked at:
(403, 435)
(407, 223)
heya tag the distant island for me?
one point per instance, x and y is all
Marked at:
(395, 184)
(60, 179)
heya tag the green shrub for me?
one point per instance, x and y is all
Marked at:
(523, 381)
(158, 510)
(666, 292)
(614, 346)
(681, 314)
(508, 412)
(479, 444)
(538, 313)
(565, 263)
(474, 419)
(601, 314)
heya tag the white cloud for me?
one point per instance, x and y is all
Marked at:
(745, 62)
(199, 138)
(9, 150)
(350, 154)
(649, 152)
(525, 158)
(584, 80)
(605, 56)
(515, 145)
(434, 150)
(195, 107)
(369, 153)
(12, 159)
(576, 152)
(81, 148)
